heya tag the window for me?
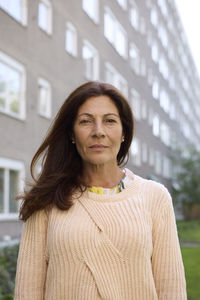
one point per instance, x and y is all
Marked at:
(91, 7)
(115, 33)
(164, 100)
(136, 104)
(163, 67)
(134, 15)
(134, 58)
(165, 134)
(11, 176)
(18, 9)
(44, 98)
(135, 152)
(71, 39)
(45, 15)
(154, 52)
(112, 76)
(91, 61)
(162, 33)
(154, 16)
(163, 7)
(156, 125)
(155, 89)
(122, 3)
(12, 87)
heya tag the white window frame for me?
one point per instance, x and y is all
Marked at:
(117, 27)
(136, 151)
(136, 104)
(95, 67)
(7, 165)
(117, 79)
(72, 28)
(164, 100)
(155, 89)
(122, 3)
(155, 52)
(45, 84)
(136, 20)
(11, 63)
(24, 9)
(48, 5)
(154, 16)
(156, 125)
(134, 61)
(165, 133)
(94, 18)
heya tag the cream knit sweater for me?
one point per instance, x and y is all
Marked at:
(111, 247)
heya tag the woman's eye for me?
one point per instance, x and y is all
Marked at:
(84, 121)
(111, 121)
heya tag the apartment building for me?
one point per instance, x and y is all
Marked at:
(47, 48)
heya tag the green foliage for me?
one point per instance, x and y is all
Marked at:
(189, 231)
(186, 186)
(8, 261)
(191, 260)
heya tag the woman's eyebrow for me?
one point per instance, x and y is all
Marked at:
(92, 116)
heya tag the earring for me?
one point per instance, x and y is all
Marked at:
(73, 142)
(122, 139)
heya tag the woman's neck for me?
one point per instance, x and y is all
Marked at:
(102, 176)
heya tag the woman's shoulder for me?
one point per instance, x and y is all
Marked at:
(149, 187)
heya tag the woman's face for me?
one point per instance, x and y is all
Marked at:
(98, 131)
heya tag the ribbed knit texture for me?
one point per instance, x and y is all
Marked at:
(111, 247)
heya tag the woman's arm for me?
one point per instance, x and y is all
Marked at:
(167, 262)
(32, 262)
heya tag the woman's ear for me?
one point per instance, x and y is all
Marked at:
(72, 138)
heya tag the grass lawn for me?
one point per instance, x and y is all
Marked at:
(191, 260)
(189, 231)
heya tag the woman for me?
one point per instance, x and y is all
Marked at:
(94, 230)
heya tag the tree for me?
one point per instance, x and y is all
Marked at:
(186, 186)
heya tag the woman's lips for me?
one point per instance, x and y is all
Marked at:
(98, 147)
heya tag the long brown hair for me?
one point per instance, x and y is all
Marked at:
(61, 169)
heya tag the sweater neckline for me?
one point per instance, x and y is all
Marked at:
(129, 191)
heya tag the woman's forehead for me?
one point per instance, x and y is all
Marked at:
(98, 105)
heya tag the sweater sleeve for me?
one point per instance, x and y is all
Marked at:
(167, 265)
(32, 262)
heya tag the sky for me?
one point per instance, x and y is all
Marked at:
(189, 11)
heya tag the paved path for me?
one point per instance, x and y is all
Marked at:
(190, 244)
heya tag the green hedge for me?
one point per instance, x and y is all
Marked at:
(8, 260)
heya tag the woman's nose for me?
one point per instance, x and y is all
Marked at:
(98, 129)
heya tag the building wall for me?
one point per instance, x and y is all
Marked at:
(44, 55)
